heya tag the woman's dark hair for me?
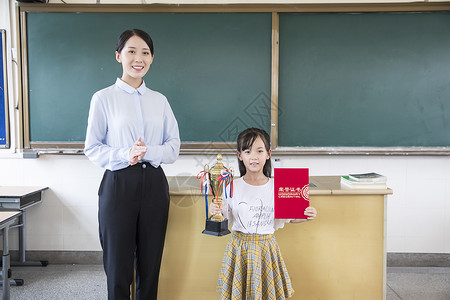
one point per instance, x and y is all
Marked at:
(127, 34)
(245, 141)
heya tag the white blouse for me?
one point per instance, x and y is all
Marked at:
(119, 115)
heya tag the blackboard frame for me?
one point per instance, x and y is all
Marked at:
(275, 9)
(4, 117)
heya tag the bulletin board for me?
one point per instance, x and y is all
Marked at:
(4, 120)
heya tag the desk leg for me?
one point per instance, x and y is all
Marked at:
(5, 265)
(22, 247)
(22, 238)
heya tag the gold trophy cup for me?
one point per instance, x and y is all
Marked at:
(216, 225)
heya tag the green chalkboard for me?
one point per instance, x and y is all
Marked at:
(371, 79)
(214, 68)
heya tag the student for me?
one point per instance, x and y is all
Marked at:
(131, 131)
(253, 267)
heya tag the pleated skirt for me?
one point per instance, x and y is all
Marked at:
(253, 269)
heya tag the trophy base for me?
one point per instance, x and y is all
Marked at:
(216, 228)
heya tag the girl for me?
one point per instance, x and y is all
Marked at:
(253, 267)
(131, 132)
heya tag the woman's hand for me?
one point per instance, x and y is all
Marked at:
(137, 152)
(214, 209)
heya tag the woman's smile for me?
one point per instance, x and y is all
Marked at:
(136, 59)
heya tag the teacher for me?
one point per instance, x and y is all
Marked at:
(132, 131)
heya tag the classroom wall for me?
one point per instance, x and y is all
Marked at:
(418, 213)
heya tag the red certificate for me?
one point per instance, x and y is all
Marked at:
(291, 188)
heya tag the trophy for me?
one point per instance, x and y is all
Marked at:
(217, 178)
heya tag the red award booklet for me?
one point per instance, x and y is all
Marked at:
(291, 188)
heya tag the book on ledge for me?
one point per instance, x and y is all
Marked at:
(291, 192)
(348, 181)
(368, 177)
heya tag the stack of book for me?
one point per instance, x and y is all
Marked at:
(364, 181)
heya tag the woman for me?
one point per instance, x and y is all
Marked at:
(131, 132)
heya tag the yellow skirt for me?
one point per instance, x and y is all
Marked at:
(253, 268)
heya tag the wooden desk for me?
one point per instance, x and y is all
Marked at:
(21, 198)
(340, 255)
(6, 219)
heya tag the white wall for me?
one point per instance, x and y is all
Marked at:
(418, 212)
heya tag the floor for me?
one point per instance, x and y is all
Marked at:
(67, 282)
(418, 283)
(60, 282)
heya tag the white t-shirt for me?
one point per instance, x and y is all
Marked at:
(251, 210)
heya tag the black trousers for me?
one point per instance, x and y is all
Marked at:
(133, 213)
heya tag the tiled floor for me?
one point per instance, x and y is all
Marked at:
(418, 283)
(74, 282)
(60, 282)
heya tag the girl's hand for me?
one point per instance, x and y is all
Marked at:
(137, 152)
(214, 209)
(311, 212)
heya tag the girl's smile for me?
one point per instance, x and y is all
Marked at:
(255, 158)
